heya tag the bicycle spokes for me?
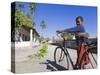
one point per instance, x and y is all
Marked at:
(60, 58)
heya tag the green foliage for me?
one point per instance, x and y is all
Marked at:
(22, 19)
(32, 7)
(42, 24)
(42, 51)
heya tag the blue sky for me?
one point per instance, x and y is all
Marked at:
(62, 17)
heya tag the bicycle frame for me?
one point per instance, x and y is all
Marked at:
(67, 53)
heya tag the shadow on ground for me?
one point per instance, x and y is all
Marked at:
(51, 65)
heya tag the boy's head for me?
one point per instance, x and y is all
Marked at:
(79, 20)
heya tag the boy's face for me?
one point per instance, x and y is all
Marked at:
(79, 21)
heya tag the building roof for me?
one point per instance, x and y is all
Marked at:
(28, 28)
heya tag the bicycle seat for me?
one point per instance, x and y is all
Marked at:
(83, 34)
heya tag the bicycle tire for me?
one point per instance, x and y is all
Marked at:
(92, 61)
(61, 57)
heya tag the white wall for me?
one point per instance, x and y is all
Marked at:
(23, 44)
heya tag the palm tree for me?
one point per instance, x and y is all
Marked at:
(42, 24)
(32, 8)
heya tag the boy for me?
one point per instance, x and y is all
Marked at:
(79, 28)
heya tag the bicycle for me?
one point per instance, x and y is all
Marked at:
(62, 56)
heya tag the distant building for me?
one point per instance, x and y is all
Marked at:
(25, 36)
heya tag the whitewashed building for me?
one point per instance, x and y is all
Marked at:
(26, 36)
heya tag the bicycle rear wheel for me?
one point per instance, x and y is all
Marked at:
(61, 57)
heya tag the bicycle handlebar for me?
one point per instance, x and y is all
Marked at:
(80, 34)
(60, 36)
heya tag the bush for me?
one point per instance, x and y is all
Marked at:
(42, 51)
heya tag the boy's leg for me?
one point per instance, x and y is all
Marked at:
(77, 64)
(80, 52)
(87, 62)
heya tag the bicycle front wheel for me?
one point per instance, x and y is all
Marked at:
(61, 57)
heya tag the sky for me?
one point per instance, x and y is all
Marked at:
(62, 17)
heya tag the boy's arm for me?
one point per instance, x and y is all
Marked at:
(74, 29)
